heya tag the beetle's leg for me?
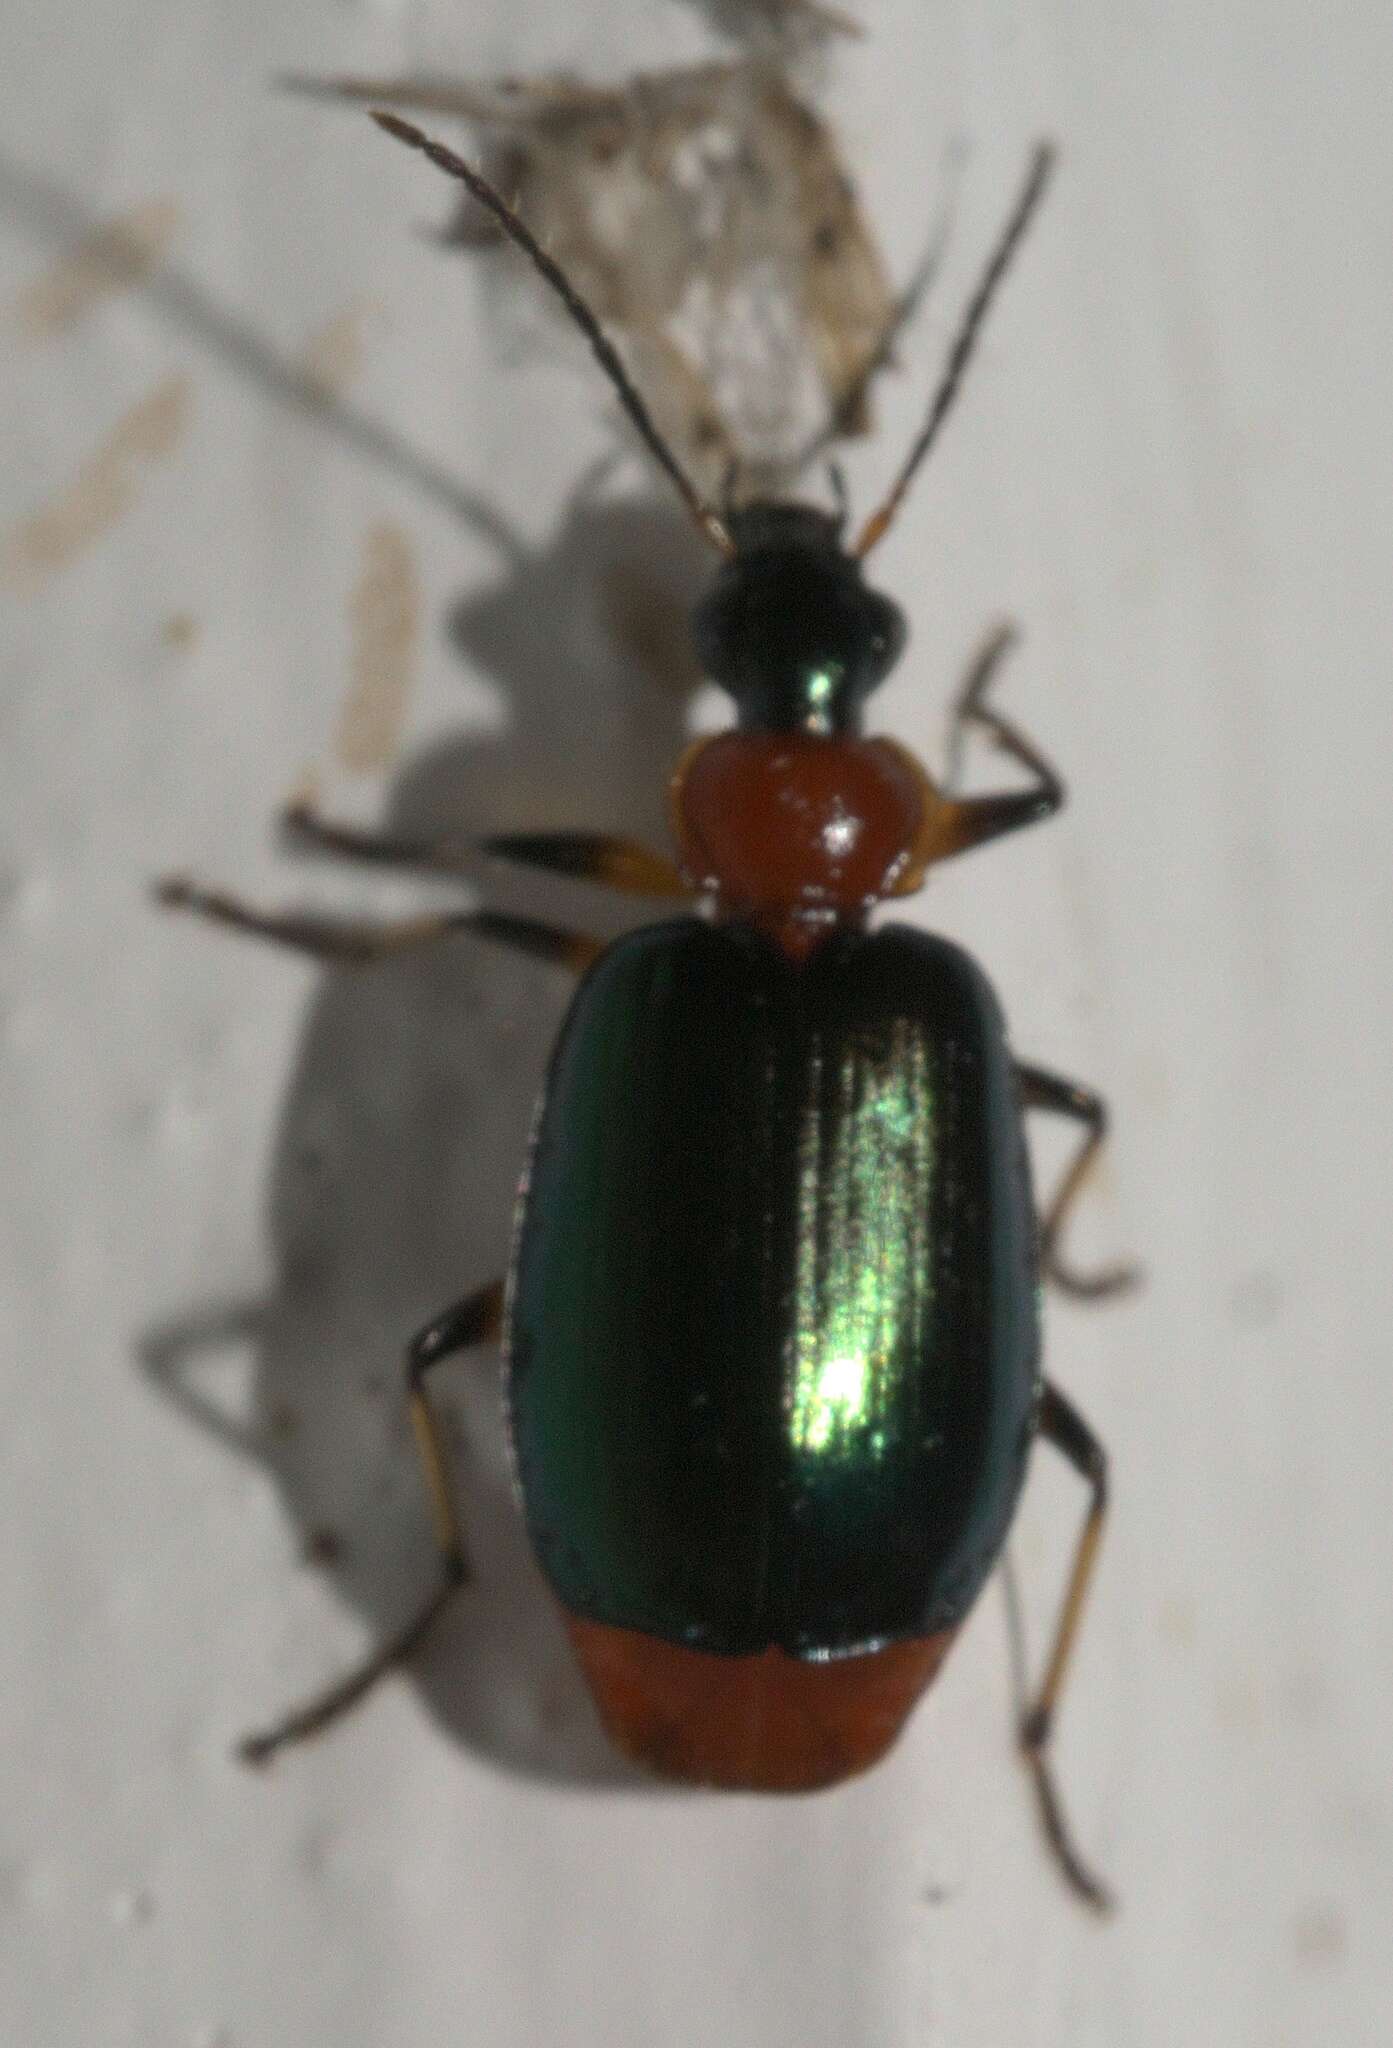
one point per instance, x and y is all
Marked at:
(1062, 1425)
(1042, 1090)
(971, 820)
(590, 856)
(475, 1320)
(621, 864)
(353, 942)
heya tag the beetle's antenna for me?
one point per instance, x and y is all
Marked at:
(606, 353)
(842, 420)
(1041, 164)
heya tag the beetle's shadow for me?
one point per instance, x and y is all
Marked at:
(400, 1143)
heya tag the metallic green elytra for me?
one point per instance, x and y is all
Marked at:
(773, 1332)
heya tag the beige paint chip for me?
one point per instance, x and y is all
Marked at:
(335, 353)
(101, 493)
(116, 256)
(385, 614)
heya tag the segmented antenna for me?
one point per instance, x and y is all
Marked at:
(606, 353)
(878, 525)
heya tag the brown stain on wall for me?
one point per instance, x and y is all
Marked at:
(180, 632)
(385, 614)
(1320, 1935)
(103, 491)
(115, 257)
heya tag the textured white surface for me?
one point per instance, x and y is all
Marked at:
(227, 1177)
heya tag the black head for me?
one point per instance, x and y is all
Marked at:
(790, 627)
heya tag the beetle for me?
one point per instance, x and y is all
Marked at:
(771, 1325)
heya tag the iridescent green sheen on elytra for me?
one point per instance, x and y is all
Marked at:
(773, 1345)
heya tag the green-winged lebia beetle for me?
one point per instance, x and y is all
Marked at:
(771, 1325)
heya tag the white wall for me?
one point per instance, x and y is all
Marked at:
(1173, 465)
